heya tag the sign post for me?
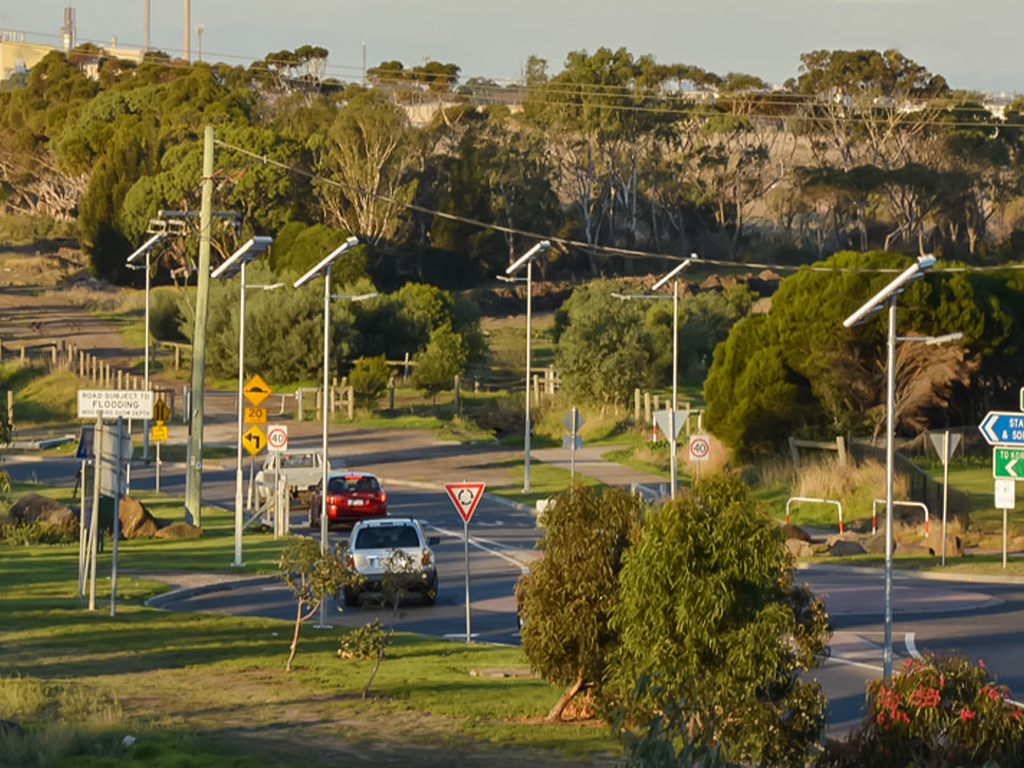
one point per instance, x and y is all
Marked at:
(945, 444)
(161, 414)
(1005, 431)
(1005, 497)
(465, 497)
(573, 421)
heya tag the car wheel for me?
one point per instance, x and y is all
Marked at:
(351, 599)
(430, 596)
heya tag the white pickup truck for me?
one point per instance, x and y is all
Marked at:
(299, 470)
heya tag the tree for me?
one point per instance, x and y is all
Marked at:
(709, 611)
(369, 380)
(605, 351)
(439, 364)
(312, 575)
(568, 597)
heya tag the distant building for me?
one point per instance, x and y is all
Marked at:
(18, 56)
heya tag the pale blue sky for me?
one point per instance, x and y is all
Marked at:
(974, 43)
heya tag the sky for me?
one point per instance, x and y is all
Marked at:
(975, 44)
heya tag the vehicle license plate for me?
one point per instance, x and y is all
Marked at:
(358, 502)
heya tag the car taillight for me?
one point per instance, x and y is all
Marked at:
(425, 560)
(382, 497)
(351, 562)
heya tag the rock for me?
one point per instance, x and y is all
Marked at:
(790, 531)
(799, 548)
(842, 547)
(913, 548)
(179, 530)
(136, 522)
(933, 542)
(850, 536)
(33, 508)
(874, 544)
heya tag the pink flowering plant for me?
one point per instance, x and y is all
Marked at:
(936, 712)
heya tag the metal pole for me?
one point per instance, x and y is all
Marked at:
(465, 542)
(526, 433)
(83, 539)
(158, 462)
(675, 386)
(194, 478)
(572, 447)
(324, 412)
(146, 423)
(94, 524)
(117, 517)
(945, 489)
(238, 563)
(1005, 513)
(890, 423)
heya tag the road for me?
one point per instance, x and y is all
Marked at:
(982, 621)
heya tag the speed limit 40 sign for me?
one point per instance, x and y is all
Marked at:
(700, 447)
(277, 437)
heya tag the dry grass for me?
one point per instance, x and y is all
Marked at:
(101, 298)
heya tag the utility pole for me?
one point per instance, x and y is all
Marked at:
(193, 476)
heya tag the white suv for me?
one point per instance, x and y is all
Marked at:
(398, 543)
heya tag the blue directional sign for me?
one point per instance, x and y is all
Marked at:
(1003, 428)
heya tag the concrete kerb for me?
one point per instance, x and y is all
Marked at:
(161, 600)
(902, 573)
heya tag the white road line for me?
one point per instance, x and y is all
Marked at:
(908, 638)
(851, 663)
(488, 549)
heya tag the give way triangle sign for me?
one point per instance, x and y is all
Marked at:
(465, 497)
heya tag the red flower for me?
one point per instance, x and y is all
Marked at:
(966, 714)
(981, 663)
(924, 697)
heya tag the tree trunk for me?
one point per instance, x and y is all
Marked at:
(556, 711)
(295, 637)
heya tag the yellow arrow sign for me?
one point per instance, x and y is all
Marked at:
(158, 433)
(256, 390)
(256, 415)
(254, 440)
(161, 412)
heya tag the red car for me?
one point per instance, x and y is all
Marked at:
(351, 497)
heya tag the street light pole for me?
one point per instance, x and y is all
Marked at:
(887, 297)
(527, 258)
(324, 268)
(235, 264)
(132, 260)
(674, 277)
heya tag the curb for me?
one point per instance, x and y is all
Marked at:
(961, 578)
(159, 601)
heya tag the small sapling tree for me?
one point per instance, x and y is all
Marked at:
(370, 642)
(312, 575)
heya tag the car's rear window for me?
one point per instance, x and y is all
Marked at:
(387, 537)
(301, 460)
(360, 484)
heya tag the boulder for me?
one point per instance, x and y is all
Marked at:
(790, 531)
(33, 508)
(799, 548)
(933, 541)
(136, 522)
(874, 544)
(842, 547)
(845, 536)
(913, 548)
(179, 530)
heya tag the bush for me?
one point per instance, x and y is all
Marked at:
(27, 534)
(369, 379)
(938, 712)
(166, 316)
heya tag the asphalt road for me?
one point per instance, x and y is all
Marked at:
(982, 621)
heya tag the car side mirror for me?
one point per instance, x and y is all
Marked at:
(433, 541)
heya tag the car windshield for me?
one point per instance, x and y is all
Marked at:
(359, 484)
(301, 460)
(387, 537)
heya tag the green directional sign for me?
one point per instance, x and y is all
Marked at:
(1008, 463)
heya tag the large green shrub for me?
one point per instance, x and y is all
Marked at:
(369, 379)
(937, 712)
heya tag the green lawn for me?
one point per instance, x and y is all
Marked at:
(198, 690)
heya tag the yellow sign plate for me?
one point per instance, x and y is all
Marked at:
(254, 440)
(158, 433)
(161, 412)
(256, 415)
(256, 390)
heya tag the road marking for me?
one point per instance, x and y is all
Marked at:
(908, 638)
(491, 550)
(852, 663)
(459, 636)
